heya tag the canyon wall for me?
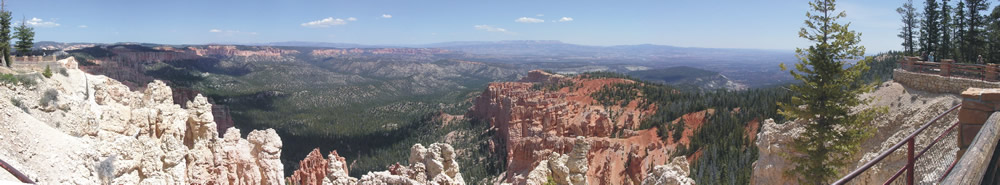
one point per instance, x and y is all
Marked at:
(533, 123)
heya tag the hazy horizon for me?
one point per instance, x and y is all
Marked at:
(728, 24)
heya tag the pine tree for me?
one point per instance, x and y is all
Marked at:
(25, 38)
(825, 98)
(994, 36)
(5, 18)
(678, 130)
(909, 17)
(930, 27)
(960, 26)
(945, 47)
(975, 36)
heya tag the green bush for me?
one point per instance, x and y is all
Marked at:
(48, 72)
(8, 79)
(550, 181)
(49, 96)
(26, 80)
(16, 102)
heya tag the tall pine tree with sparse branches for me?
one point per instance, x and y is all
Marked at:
(974, 40)
(930, 27)
(825, 98)
(25, 38)
(994, 36)
(945, 47)
(910, 26)
(960, 31)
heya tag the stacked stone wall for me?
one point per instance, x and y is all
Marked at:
(938, 84)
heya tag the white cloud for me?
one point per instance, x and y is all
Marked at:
(528, 20)
(323, 23)
(352, 19)
(36, 22)
(540, 15)
(490, 28)
(215, 31)
(565, 19)
(386, 16)
(82, 26)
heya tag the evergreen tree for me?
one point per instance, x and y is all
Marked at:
(678, 130)
(993, 36)
(5, 18)
(930, 27)
(975, 37)
(945, 47)
(826, 96)
(909, 17)
(960, 26)
(25, 38)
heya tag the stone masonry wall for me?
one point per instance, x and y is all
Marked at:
(937, 83)
(977, 106)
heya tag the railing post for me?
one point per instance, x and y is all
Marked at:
(909, 161)
(946, 68)
(991, 72)
(909, 63)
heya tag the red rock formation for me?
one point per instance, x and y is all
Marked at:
(312, 169)
(534, 123)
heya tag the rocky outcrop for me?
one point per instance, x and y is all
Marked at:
(101, 127)
(773, 140)
(312, 169)
(531, 124)
(569, 169)
(431, 165)
(435, 164)
(675, 173)
(336, 172)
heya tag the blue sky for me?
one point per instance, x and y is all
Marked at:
(767, 24)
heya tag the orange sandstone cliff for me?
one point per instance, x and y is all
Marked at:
(532, 123)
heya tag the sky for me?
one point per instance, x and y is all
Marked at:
(765, 24)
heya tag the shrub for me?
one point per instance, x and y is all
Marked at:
(26, 80)
(16, 102)
(48, 72)
(63, 72)
(8, 79)
(49, 96)
(106, 169)
(550, 181)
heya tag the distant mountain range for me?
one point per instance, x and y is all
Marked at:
(752, 67)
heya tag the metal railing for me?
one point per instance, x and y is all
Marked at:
(20, 176)
(911, 159)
